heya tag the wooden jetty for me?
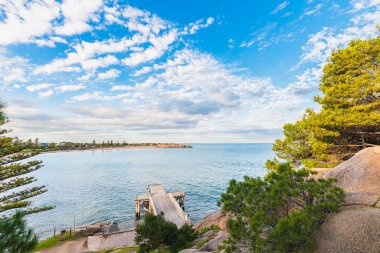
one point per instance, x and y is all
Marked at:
(111, 240)
(158, 201)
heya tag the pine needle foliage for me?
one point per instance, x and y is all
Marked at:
(279, 213)
(15, 236)
(13, 173)
(349, 119)
(15, 195)
(158, 235)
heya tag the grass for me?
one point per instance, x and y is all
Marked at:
(206, 229)
(203, 242)
(51, 242)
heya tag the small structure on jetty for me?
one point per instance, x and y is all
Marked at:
(158, 201)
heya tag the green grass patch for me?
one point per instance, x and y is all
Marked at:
(214, 228)
(51, 242)
(204, 242)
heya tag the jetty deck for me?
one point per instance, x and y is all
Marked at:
(116, 239)
(159, 201)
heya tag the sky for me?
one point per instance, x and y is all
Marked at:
(169, 70)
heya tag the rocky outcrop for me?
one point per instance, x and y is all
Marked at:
(360, 173)
(213, 233)
(355, 229)
(214, 219)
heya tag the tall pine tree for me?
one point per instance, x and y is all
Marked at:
(15, 236)
(13, 174)
(349, 119)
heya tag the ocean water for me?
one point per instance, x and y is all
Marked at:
(102, 185)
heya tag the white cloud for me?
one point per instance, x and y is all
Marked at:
(142, 71)
(363, 4)
(280, 7)
(150, 38)
(70, 87)
(46, 93)
(194, 85)
(102, 62)
(192, 28)
(320, 45)
(26, 20)
(112, 73)
(158, 48)
(76, 14)
(313, 11)
(13, 70)
(37, 87)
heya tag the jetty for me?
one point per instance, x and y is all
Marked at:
(158, 201)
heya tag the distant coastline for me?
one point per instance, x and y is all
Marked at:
(129, 146)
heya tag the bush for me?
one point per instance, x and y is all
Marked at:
(279, 213)
(14, 235)
(157, 234)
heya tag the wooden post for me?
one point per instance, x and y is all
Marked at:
(86, 230)
(63, 234)
(54, 231)
(74, 227)
(70, 232)
(138, 209)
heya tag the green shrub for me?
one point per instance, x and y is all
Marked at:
(281, 212)
(157, 234)
(15, 236)
(204, 230)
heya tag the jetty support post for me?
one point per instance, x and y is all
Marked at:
(182, 202)
(137, 209)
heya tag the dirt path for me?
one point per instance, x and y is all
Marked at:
(74, 246)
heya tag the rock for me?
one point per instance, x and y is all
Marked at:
(214, 244)
(320, 172)
(355, 229)
(210, 233)
(360, 173)
(361, 198)
(214, 219)
(191, 251)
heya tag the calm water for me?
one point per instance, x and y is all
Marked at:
(102, 185)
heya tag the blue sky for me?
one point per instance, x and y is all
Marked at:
(168, 71)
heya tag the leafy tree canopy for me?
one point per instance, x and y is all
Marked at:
(280, 212)
(349, 119)
(157, 234)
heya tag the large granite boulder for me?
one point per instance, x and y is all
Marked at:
(355, 229)
(360, 173)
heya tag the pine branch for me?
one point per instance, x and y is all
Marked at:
(22, 195)
(37, 209)
(17, 169)
(10, 206)
(5, 186)
(16, 157)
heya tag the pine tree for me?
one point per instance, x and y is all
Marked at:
(349, 119)
(15, 237)
(12, 171)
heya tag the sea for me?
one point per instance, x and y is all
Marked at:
(101, 185)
